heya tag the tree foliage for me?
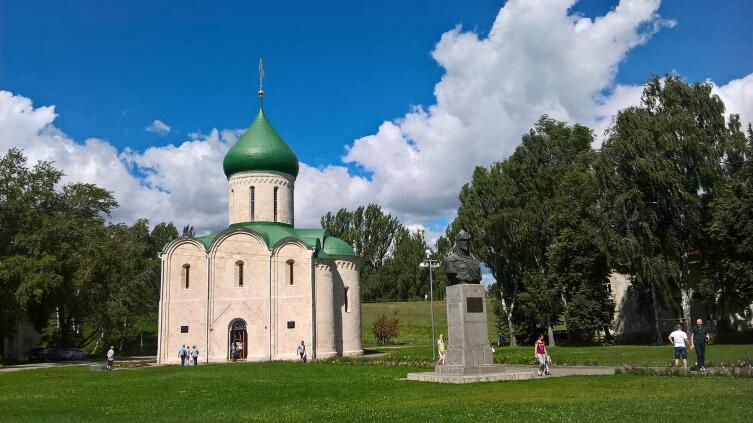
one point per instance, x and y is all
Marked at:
(390, 253)
(76, 277)
(531, 219)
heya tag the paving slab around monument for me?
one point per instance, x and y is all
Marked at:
(505, 372)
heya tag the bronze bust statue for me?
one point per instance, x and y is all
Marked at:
(460, 266)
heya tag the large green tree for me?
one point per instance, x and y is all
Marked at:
(520, 219)
(372, 233)
(659, 169)
(76, 277)
(727, 260)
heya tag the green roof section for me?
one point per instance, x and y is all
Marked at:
(272, 232)
(260, 148)
(336, 247)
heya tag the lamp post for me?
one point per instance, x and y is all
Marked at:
(431, 265)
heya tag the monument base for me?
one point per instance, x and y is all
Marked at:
(484, 375)
(468, 357)
(469, 369)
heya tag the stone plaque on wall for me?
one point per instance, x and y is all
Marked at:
(474, 305)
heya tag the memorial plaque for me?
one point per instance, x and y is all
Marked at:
(474, 305)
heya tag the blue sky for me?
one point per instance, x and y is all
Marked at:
(335, 69)
(384, 102)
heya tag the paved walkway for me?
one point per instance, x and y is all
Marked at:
(557, 371)
(51, 364)
(44, 365)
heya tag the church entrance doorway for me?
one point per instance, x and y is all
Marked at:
(238, 341)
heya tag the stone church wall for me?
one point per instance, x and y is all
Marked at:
(292, 305)
(230, 302)
(184, 321)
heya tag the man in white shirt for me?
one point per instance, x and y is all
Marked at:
(302, 351)
(679, 339)
(110, 357)
(195, 355)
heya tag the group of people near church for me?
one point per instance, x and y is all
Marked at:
(189, 354)
(698, 341)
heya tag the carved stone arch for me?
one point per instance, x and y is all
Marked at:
(224, 235)
(177, 242)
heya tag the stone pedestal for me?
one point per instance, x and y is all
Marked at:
(467, 337)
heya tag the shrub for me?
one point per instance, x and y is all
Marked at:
(385, 329)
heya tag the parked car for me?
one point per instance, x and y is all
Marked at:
(42, 354)
(71, 354)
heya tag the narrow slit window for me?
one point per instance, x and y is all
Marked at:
(345, 298)
(275, 203)
(239, 274)
(186, 276)
(291, 275)
(252, 203)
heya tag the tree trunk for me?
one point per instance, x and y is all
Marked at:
(96, 344)
(141, 340)
(122, 337)
(550, 334)
(685, 292)
(655, 306)
(508, 312)
(607, 334)
(566, 314)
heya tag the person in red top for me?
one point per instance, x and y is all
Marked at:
(539, 351)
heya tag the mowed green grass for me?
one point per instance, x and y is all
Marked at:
(295, 392)
(415, 321)
(612, 355)
(414, 342)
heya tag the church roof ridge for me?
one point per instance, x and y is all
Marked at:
(327, 246)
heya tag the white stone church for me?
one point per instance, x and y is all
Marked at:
(261, 283)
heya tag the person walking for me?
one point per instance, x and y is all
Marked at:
(539, 352)
(182, 352)
(698, 343)
(195, 355)
(110, 357)
(302, 351)
(232, 350)
(679, 338)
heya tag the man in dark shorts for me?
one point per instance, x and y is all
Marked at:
(678, 338)
(698, 343)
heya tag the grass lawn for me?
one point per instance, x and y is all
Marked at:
(415, 321)
(348, 392)
(612, 355)
(414, 343)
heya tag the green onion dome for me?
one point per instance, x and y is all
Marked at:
(260, 148)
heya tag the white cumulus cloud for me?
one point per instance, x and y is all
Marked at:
(538, 58)
(158, 127)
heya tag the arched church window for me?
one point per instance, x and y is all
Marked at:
(238, 325)
(239, 274)
(345, 298)
(275, 203)
(291, 276)
(186, 276)
(252, 202)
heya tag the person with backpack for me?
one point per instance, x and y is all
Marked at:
(182, 353)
